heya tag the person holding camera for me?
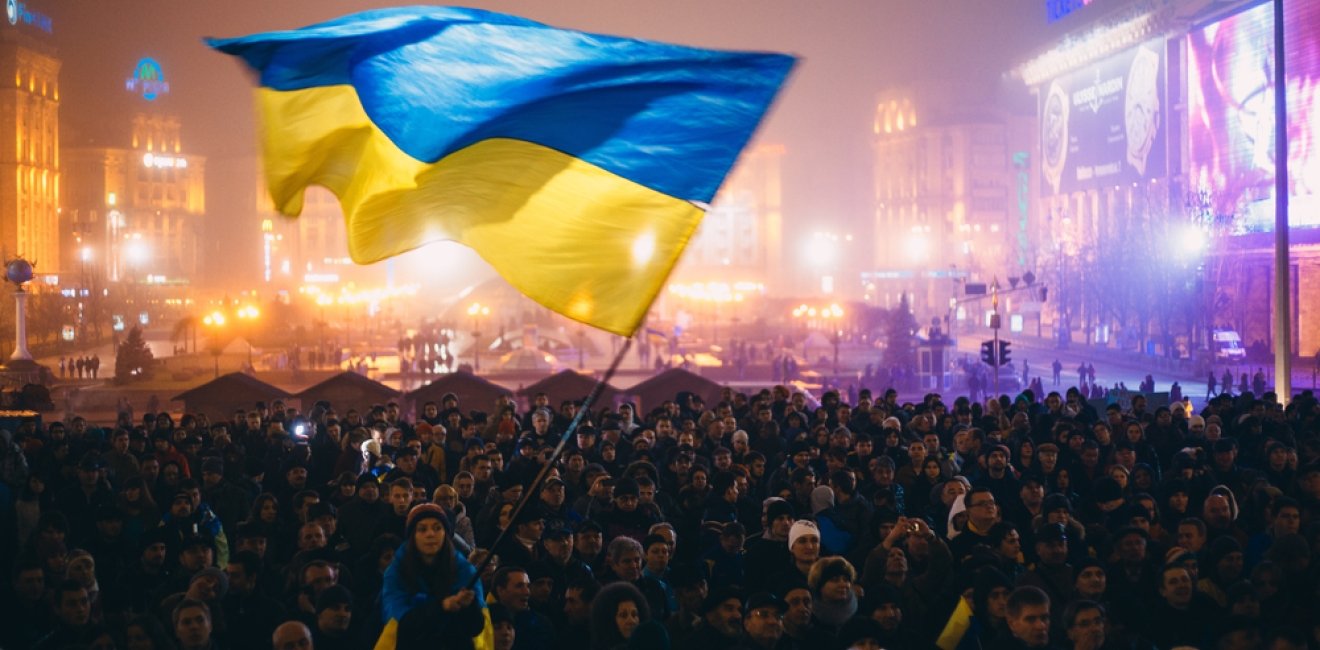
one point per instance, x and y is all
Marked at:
(912, 559)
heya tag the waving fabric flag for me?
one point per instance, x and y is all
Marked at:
(576, 164)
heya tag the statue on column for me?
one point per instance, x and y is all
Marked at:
(21, 371)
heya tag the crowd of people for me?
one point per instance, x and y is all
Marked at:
(763, 521)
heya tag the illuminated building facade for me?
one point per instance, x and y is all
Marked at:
(135, 199)
(135, 212)
(311, 249)
(742, 231)
(951, 196)
(1155, 167)
(738, 251)
(30, 169)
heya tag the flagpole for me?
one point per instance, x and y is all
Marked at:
(559, 448)
(1282, 279)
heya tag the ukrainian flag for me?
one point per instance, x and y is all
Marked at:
(576, 164)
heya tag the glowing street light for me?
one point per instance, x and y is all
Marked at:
(917, 245)
(1191, 241)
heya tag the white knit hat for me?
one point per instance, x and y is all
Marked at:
(802, 527)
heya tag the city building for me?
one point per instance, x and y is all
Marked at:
(135, 197)
(30, 169)
(738, 251)
(1156, 174)
(952, 197)
(743, 230)
(310, 249)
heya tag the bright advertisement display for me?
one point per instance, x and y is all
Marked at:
(1230, 92)
(1104, 124)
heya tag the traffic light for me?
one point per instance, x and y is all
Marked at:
(988, 353)
(1004, 353)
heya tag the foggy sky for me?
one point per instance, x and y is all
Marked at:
(849, 49)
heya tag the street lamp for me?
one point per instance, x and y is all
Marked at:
(477, 311)
(582, 342)
(214, 321)
(84, 291)
(248, 314)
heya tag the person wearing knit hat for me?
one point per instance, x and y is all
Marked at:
(1221, 566)
(425, 592)
(1108, 494)
(800, 528)
(208, 585)
(803, 549)
(767, 551)
(334, 614)
(423, 511)
(775, 508)
(722, 614)
(1089, 579)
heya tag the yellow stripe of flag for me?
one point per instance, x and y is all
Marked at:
(576, 238)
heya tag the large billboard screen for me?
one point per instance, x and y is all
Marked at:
(1104, 124)
(1230, 101)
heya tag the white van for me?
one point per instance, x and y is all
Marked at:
(1227, 346)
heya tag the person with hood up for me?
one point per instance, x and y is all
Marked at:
(616, 612)
(834, 539)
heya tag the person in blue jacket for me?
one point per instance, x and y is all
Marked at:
(426, 587)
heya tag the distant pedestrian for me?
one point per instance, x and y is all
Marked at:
(1058, 372)
(1210, 385)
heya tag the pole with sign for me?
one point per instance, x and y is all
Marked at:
(994, 325)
